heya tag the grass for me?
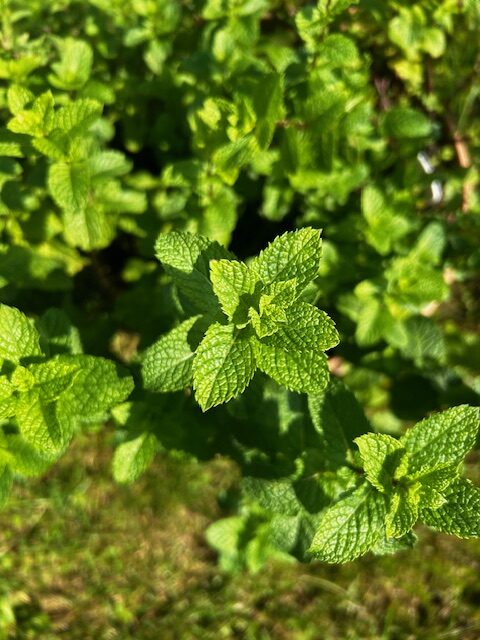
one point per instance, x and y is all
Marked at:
(81, 558)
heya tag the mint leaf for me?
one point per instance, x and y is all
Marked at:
(392, 545)
(186, 258)
(18, 337)
(76, 117)
(281, 294)
(74, 67)
(132, 458)
(383, 460)
(38, 422)
(293, 356)
(69, 185)
(224, 365)
(402, 512)
(57, 334)
(233, 283)
(167, 364)
(351, 527)
(18, 97)
(8, 400)
(460, 515)
(98, 386)
(53, 377)
(295, 254)
(274, 301)
(338, 418)
(442, 438)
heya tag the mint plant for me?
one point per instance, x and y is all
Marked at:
(417, 477)
(194, 127)
(46, 396)
(253, 317)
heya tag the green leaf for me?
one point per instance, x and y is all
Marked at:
(98, 386)
(293, 356)
(351, 527)
(39, 423)
(277, 496)
(442, 438)
(88, 228)
(133, 457)
(338, 51)
(69, 185)
(108, 164)
(233, 283)
(267, 94)
(18, 97)
(383, 460)
(437, 478)
(8, 400)
(460, 515)
(224, 365)
(431, 244)
(393, 545)
(18, 337)
(402, 512)
(57, 334)
(37, 120)
(404, 122)
(53, 377)
(295, 254)
(11, 144)
(167, 364)
(230, 158)
(186, 258)
(77, 116)
(73, 70)
(338, 418)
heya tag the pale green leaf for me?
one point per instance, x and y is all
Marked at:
(295, 254)
(442, 438)
(18, 97)
(69, 185)
(88, 228)
(73, 69)
(293, 356)
(223, 366)
(133, 457)
(460, 515)
(402, 512)
(383, 459)
(98, 386)
(77, 116)
(338, 418)
(52, 378)
(393, 545)
(233, 284)
(108, 164)
(8, 399)
(167, 364)
(18, 337)
(186, 258)
(351, 527)
(39, 423)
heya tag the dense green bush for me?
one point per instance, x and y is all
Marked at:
(135, 128)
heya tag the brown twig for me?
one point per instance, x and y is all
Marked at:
(463, 158)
